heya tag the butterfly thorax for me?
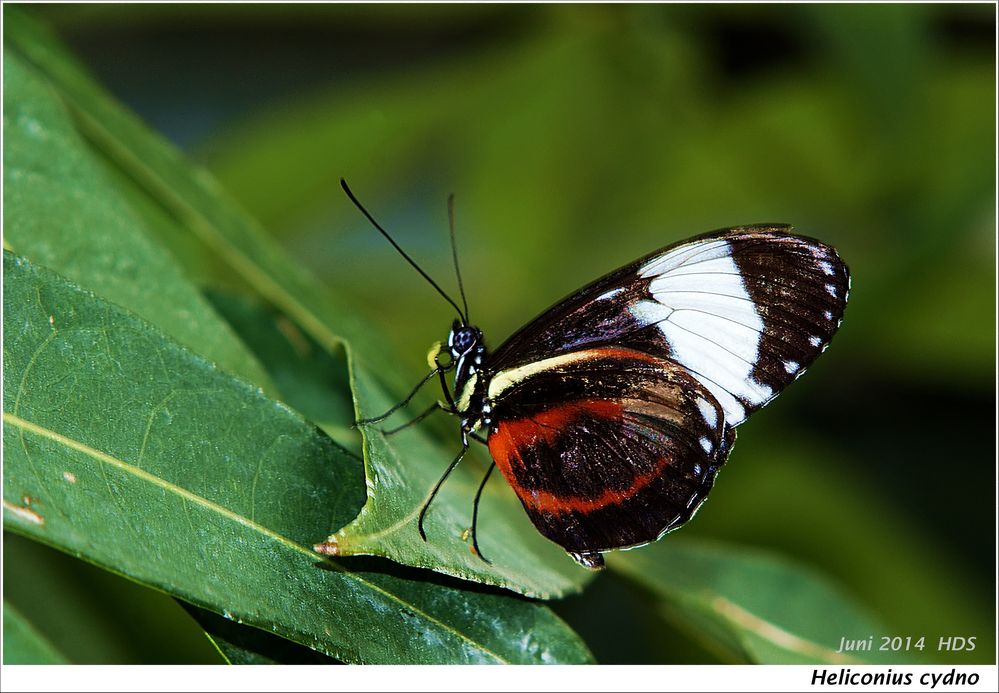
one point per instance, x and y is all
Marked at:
(468, 353)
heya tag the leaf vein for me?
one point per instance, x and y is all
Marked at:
(776, 635)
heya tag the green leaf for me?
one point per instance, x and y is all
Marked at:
(523, 562)
(752, 606)
(22, 644)
(127, 450)
(61, 210)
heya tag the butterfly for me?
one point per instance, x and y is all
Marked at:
(611, 413)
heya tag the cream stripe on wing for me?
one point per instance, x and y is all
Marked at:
(511, 376)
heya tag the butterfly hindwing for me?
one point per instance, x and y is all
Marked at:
(745, 310)
(606, 447)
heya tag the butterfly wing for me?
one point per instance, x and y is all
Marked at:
(745, 310)
(607, 447)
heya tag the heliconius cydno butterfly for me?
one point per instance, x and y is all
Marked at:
(611, 413)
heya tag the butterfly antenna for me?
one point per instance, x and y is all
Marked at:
(346, 189)
(454, 252)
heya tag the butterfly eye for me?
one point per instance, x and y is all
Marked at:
(463, 340)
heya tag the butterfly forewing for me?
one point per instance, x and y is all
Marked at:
(744, 310)
(606, 447)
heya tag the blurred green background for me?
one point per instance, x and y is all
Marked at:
(576, 138)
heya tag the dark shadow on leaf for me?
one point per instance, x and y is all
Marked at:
(375, 565)
(242, 644)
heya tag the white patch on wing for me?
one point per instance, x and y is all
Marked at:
(610, 294)
(697, 265)
(814, 341)
(831, 289)
(792, 366)
(650, 312)
(708, 412)
(735, 412)
(712, 325)
(724, 284)
(826, 267)
(695, 252)
(706, 444)
(736, 338)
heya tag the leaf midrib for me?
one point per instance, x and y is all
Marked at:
(102, 457)
(774, 634)
(741, 619)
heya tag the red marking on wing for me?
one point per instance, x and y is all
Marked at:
(623, 353)
(552, 504)
(513, 435)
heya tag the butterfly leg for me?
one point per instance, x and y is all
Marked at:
(437, 487)
(444, 387)
(403, 403)
(475, 514)
(436, 406)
